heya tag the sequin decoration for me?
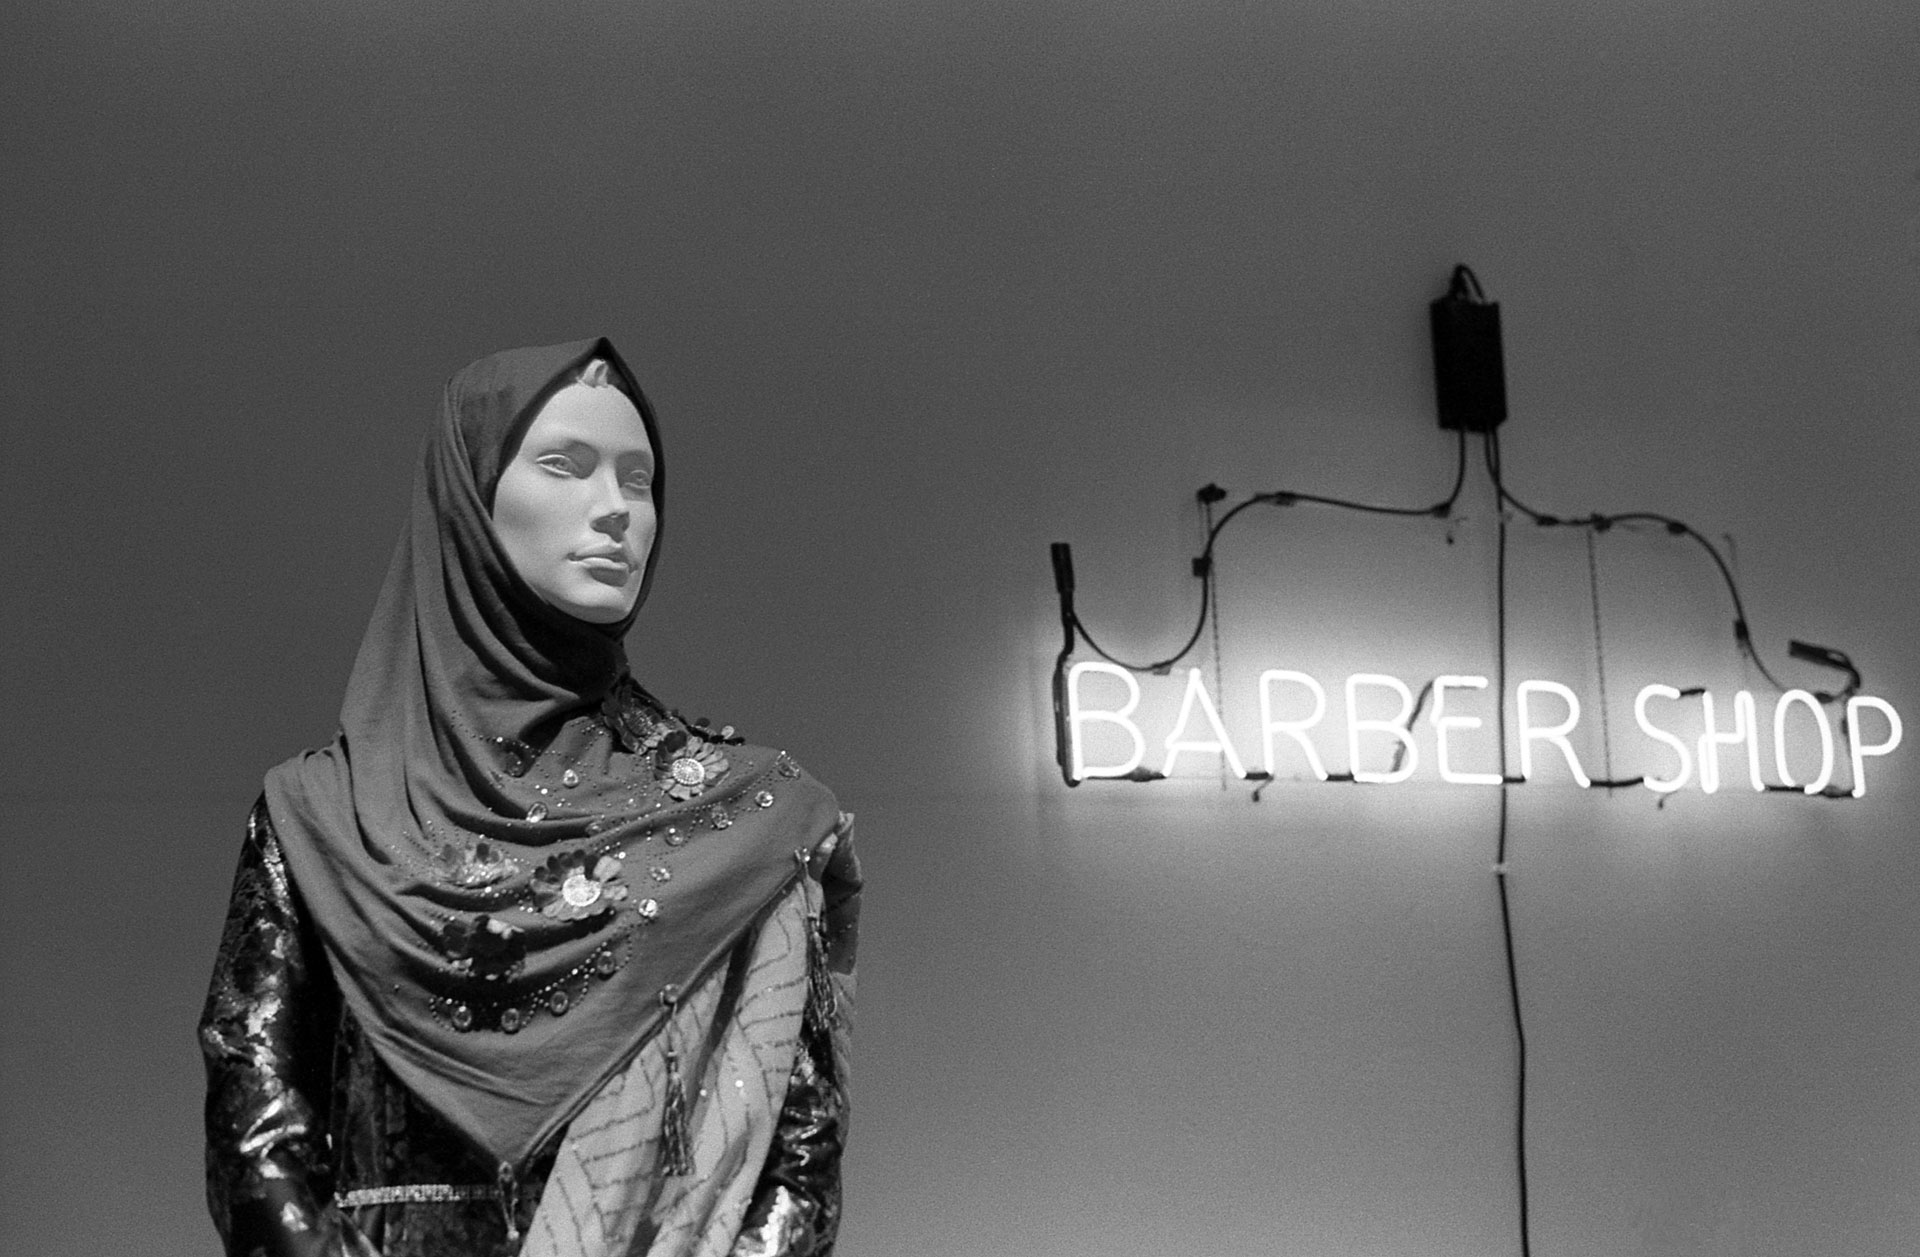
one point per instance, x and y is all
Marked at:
(648, 909)
(719, 818)
(660, 873)
(763, 799)
(538, 812)
(462, 1017)
(558, 1003)
(788, 769)
(674, 836)
(510, 1020)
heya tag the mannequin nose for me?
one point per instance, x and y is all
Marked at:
(610, 512)
(612, 521)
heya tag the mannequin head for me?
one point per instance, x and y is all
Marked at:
(573, 508)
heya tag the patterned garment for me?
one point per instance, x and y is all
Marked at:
(280, 1050)
(606, 1195)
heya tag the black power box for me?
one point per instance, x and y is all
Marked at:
(1469, 374)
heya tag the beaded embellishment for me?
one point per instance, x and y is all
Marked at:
(677, 762)
(555, 999)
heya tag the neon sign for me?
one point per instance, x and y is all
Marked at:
(1545, 714)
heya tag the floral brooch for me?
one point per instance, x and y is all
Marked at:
(480, 864)
(690, 765)
(578, 886)
(483, 946)
(634, 723)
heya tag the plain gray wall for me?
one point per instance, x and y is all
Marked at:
(917, 289)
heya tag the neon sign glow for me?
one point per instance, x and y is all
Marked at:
(1545, 715)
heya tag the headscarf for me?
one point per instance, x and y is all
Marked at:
(514, 856)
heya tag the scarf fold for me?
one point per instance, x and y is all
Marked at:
(510, 849)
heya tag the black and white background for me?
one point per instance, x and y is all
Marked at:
(918, 288)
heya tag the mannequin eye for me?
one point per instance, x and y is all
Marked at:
(560, 464)
(636, 473)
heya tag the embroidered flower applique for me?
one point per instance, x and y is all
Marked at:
(575, 887)
(483, 946)
(477, 864)
(690, 765)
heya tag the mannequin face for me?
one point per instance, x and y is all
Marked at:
(574, 509)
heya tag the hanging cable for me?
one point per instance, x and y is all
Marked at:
(1069, 624)
(1609, 782)
(1213, 610)
(1485, 416)
(1742, 632)
(1599, 654)
(1464, 286)
(1203, 564)
(1500, 879)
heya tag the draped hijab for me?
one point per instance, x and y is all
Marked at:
(516, 858)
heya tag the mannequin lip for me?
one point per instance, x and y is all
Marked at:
(610, 567)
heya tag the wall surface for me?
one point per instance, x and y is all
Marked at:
(917, 289)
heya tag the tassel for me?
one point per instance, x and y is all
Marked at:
(676, 1144)
(822, 1005)
(510, 1201)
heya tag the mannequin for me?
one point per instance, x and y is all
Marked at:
(523, 961)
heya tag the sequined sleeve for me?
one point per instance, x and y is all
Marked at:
(796, 1206)
(266, 1035)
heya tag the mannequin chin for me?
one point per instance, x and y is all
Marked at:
(573, 510)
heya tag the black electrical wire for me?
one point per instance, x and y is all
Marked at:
(1203, 565)
(1594, 523)
(1491, 451)
(1597, 523)
(1599, 653)
(1500, 879)
(1219, 663)
(1462, 279)
(1608, 782)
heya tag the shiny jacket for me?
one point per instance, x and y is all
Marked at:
(300, 1113)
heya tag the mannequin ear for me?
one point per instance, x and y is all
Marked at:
(594, 374)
